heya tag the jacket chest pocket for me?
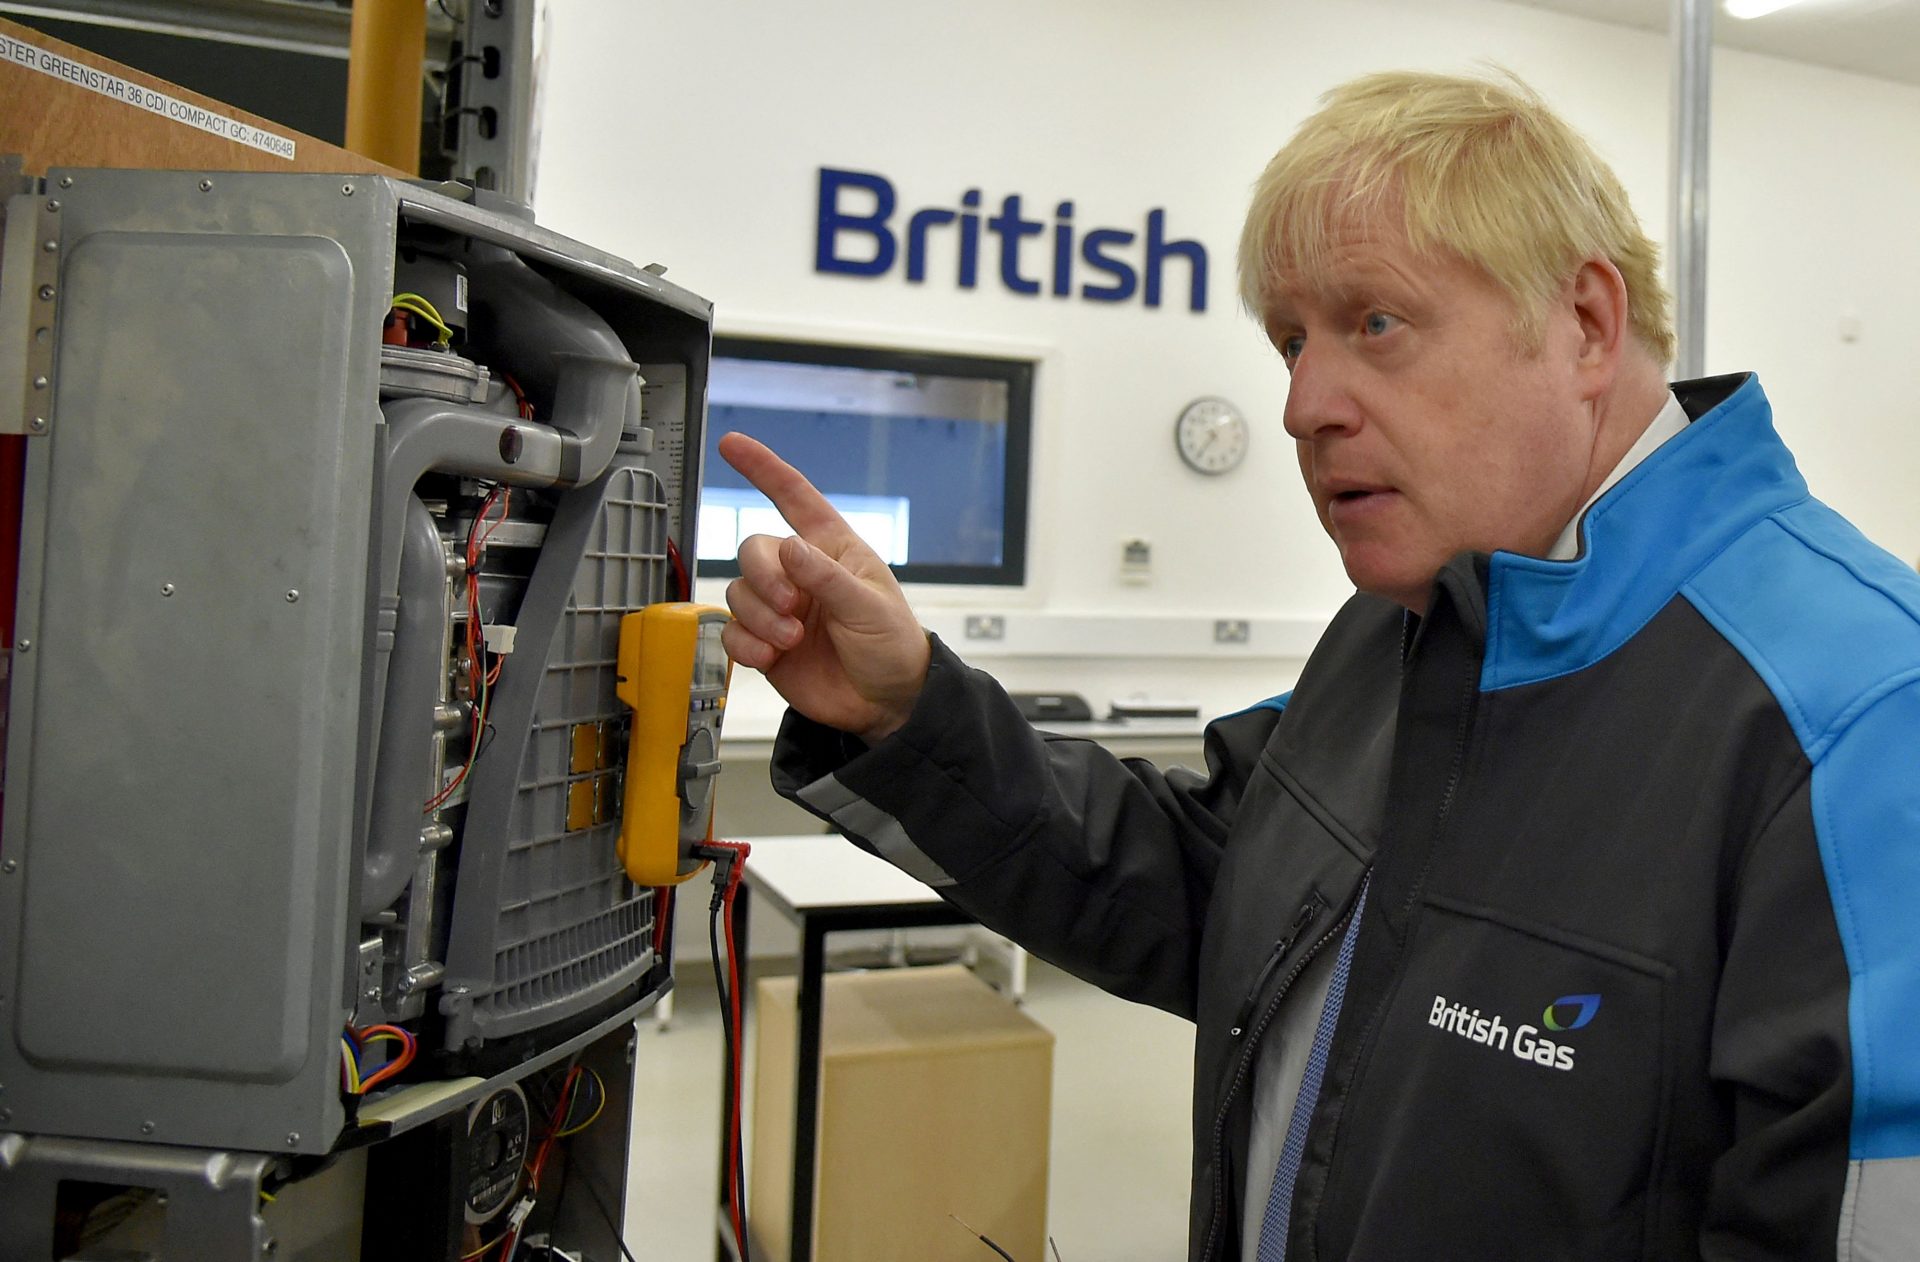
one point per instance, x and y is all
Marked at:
(1509, 1103)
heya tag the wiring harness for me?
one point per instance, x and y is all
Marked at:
(354, 1080)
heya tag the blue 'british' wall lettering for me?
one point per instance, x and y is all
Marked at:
(855, 236)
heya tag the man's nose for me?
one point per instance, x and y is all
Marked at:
(1319, 394)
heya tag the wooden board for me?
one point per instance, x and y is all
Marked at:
(62, 106)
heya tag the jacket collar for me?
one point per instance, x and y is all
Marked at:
(1643, 539)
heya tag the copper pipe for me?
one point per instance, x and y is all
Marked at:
(387, 56)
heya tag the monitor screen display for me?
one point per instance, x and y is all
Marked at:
(925, 454)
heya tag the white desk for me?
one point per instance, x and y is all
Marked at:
(822, 871)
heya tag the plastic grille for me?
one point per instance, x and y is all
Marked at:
(571, 926)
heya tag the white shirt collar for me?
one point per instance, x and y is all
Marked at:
(1670, 420)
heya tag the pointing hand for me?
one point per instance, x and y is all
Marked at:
(819, 614)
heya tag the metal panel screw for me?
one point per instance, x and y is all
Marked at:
(66, 181)
(26, 646)
(146, 1128)
(51, 247)
(53, 205)
(271, 1247)
(40, 383)
(166, 589)
(206, 186)
(37, 424)
(8, 866)
(346, 190)
(292, 596)
(293, 1138)
(46, 293)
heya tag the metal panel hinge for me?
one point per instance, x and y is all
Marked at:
(29, 302)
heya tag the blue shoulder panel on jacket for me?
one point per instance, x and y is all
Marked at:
(1277, 704)
(1866, 809)
(1649, 534)
(1832, 624)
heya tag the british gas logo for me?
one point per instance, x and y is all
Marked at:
(856, 234)
(1585, 1007)
(1523, 1041)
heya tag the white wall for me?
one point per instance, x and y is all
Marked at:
(690, 132)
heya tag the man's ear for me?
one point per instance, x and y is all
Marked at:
(1598, 298)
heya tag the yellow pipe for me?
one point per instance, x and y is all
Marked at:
(386, 57)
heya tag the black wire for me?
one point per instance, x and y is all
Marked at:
(996, 1248)
(586, 1181)
(739, 1147)
(734, 1155)
(726, 1032)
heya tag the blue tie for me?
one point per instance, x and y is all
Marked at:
(1273, 1228)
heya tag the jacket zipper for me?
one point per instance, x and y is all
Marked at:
(1455, 772)
(1246, 1053)
(1280, 949)
(1246, 1058)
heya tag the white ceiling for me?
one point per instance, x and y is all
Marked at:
(1872, 37)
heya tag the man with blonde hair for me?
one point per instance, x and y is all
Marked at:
(1563, 909)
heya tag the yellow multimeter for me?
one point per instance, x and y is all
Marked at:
(673, 673)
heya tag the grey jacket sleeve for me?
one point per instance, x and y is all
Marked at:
(1100, 865)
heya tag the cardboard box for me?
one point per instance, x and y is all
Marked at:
(62, 106)
(935, 1100)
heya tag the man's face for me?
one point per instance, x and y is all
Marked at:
(1425, 426)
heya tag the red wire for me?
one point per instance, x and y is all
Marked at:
(526, 408)
(736, 1194)
(683, 585)
(476, 545)
(662, 917)
(560, 1109)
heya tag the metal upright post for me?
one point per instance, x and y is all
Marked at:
(490, 97)
(1692, 40)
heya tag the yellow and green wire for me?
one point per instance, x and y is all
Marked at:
(415, 304)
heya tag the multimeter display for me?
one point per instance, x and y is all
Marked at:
(711, 662)
(673, 672)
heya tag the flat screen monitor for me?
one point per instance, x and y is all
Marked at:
(924, 453)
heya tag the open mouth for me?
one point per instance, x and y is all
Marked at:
(1356, 501)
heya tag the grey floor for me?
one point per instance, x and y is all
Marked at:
(1120, 1146)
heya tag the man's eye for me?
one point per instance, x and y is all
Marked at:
(1378, 322)
(1291, 347)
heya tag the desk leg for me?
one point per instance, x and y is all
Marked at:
(722, 1251)
(806, 1100)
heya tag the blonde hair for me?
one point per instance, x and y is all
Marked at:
(1478, 168)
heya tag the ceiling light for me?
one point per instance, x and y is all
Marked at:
(1756, 8)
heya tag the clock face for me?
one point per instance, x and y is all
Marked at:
(1211, 435)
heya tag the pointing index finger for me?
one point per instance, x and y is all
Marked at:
(798, 500)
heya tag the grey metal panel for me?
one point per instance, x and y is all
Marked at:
(189, 573)
(180, 779)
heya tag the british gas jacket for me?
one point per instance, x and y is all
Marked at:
(1639, 972)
